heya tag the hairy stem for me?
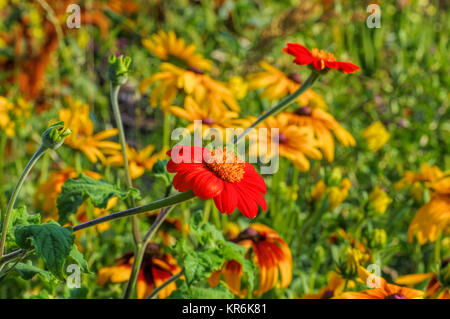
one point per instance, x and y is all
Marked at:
(40, 151)
(115, 106)
(141, 251)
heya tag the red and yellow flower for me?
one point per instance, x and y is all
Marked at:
(271, 255)
(220, 175)
(156, 268)
(319, 59)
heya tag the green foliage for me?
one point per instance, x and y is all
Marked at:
(185, 291)
(52, 242)
(19, 218)
(76, 190)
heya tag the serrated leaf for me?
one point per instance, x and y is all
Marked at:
(76, 190)
(19, 217)
(53, 243)
(78, 258)
(200, 264)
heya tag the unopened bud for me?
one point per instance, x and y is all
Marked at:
(54, 136)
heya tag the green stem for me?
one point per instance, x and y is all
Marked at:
(139, 256)
(161, 203)
(40, 151)
(165, 284)
(3, 139)
(283, 103)
(166, 129)
(114, 90)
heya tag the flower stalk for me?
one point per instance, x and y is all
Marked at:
(284, 103)
(52, 138)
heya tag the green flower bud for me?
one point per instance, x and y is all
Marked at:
(118, 69)
(54, 136)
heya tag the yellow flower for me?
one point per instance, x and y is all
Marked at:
(376, 136)
(6, 123)
(294, 143)
(433, 218)
(94, 146)
(238, 86)
(22, 108)
(323, 125)
(205, 90)
(319, 190)
(138, 161)
(384, 291)
(210, 117)
(336, 195)
(168, 47)
(379, 200)
(427, 174)
(277, 85)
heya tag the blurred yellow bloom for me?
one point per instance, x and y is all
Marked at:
(434, 287)
(294, 143)
(319, 190)
(138, 161)
(277, 85)
(168, 47)
(210, 117)
(336, 195)
(323, 125)
(205, 90)
(94, 146)
(238, 86)
(433, 218)
(22, 108)
(355, 258)
(376, 136)
(427, 174)
(379, 200)
(6, 123)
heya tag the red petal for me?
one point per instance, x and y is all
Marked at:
(207, 185)
(301, 53)
(348, 67)
(226, 201)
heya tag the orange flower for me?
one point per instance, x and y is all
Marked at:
(433, 287)
(319, 59)
(271, 255)
(156, 268)
(385, 291)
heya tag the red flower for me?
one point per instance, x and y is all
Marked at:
(220, 175)
(320, 59)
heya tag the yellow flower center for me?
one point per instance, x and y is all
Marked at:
(226, 166)
(323, 56)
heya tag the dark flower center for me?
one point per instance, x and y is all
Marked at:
(208, 121)
(303, 111)
(249, 234)
(396, 296)
(295, 77)
(195, 70)
(327, 294)
(282, 138)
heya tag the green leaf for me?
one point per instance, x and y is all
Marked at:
(27, 271)
(78, 258)
(200, 264)
(76, 190)
(19, 217)
(53, 243)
